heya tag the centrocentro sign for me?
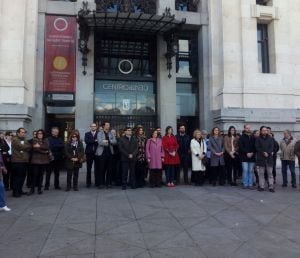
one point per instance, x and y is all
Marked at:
(123, 86)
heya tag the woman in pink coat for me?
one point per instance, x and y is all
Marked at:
(155, 157)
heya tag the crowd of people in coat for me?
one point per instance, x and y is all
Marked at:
(130, 159)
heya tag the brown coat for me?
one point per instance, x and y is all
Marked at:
(297, 149)
(228, 144)
(20, 150)
(70, 153)
(40, 155)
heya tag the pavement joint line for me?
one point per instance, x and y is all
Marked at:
(135, 217)
(53, 225)
(184, 229)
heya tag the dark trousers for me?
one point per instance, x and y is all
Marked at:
(37, 176)
(285, 164)
(217, 174)
(274, 167)
(155, 177)
(55, 167)
(18, 177)
(184, 165)
(170, 173)
(90, 159)
(103, 170)
(128, 166)
(199, 177)
(29, 175)
(7, 178)
(72, 174)
(116, 171)
(140, 171)
(232, 168)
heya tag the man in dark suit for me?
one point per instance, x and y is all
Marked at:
(128, 147)
(90, 139)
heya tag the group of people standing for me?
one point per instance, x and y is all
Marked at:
(128, 159)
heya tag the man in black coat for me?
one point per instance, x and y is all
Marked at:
(247, 152)
(264, 146)
(184, 153)
(128, 147)
(57, 147)
(90, 139)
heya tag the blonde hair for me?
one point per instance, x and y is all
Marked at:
(195, 132)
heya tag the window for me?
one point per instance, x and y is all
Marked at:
(132, 6)
(65, 0)
(184, 58)
(187, 5)
(116, 54)
(263, 48)
(262, 2)
(186, 93)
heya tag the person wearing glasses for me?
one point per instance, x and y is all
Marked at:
(20, 157)
(74, 153)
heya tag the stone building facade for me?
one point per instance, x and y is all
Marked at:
(236, 62)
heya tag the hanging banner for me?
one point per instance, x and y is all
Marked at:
(60, 54)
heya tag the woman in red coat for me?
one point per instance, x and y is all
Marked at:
(172, 160)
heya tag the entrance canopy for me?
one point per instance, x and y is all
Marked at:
(132, 22)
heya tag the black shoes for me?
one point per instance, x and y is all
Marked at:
(284, 185)
(260, 189)
(272, 190)
(46, 188)
(124, 187)
(57, 188)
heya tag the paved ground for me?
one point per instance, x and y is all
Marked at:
(182, 222)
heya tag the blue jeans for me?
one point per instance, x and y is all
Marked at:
(248, 173)
(284, 167)
(170, 172)
(2, 195)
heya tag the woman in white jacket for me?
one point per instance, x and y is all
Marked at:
(198, 152)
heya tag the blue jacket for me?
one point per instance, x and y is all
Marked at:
(57, 147)
(91, 142)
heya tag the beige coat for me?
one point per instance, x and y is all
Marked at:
(287, 150)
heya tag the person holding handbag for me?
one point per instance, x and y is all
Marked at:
(74, 153)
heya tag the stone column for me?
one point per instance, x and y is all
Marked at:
(18, 38)
(166, 88)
